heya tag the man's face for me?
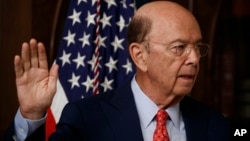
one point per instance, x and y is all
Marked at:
(169, 73)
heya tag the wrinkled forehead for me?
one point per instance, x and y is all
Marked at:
(184, 28)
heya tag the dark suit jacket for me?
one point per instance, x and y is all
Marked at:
(113, 116)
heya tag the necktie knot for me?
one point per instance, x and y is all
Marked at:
(161, 117)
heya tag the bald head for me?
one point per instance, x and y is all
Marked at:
(160, 7)
(155, 16)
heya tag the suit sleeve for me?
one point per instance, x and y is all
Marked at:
(10, 133)
(70, 124)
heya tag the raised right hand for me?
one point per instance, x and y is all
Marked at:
(36, 84)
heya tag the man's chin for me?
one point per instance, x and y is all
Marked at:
(183, 91)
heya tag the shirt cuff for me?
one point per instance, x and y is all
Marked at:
(24, 127)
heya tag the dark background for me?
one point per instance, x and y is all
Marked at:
(224, 79)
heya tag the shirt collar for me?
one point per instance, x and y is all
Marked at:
(147, 108)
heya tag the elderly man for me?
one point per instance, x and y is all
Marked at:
(165, 46)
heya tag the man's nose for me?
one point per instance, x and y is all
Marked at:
(193, 56)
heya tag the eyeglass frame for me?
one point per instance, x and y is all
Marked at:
(187, 47)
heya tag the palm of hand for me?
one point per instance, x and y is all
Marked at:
(34, 93)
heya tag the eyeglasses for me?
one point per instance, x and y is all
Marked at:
(183, 49)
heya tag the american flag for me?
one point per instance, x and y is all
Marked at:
(93, 54)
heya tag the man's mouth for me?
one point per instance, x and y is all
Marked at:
(186, 76)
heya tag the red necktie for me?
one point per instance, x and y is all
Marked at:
(161, 133)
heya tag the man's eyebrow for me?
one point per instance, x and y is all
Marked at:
(184, 41)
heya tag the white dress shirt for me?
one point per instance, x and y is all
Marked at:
(147, 110)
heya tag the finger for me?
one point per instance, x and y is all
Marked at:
(53, 75)
(18, 66)
(33, 53)
(43, 63)
(25, 56)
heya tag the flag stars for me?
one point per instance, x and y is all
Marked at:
(79, 1)
(94, 2)
(79, 60)
(121, 24)
(128, 67)
(93, 45)
(110, 3)
(117, 43)
(65, 58)
(105, 20)
(111, 64)
(74, 81)
(100, 41)
(88, 83)
(124, 5)
(132, 5)
(70, 38)
(84, 39)
(75, 17)
(92, 62)
(107, 84)
(90, 19)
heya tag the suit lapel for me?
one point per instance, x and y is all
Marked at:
(122, 115)
(194, 119)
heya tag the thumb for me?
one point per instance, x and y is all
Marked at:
(53, 76)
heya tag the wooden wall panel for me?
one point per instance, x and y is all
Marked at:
(20, 20)
(15, 28)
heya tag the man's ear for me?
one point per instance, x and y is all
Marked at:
(139, 54)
